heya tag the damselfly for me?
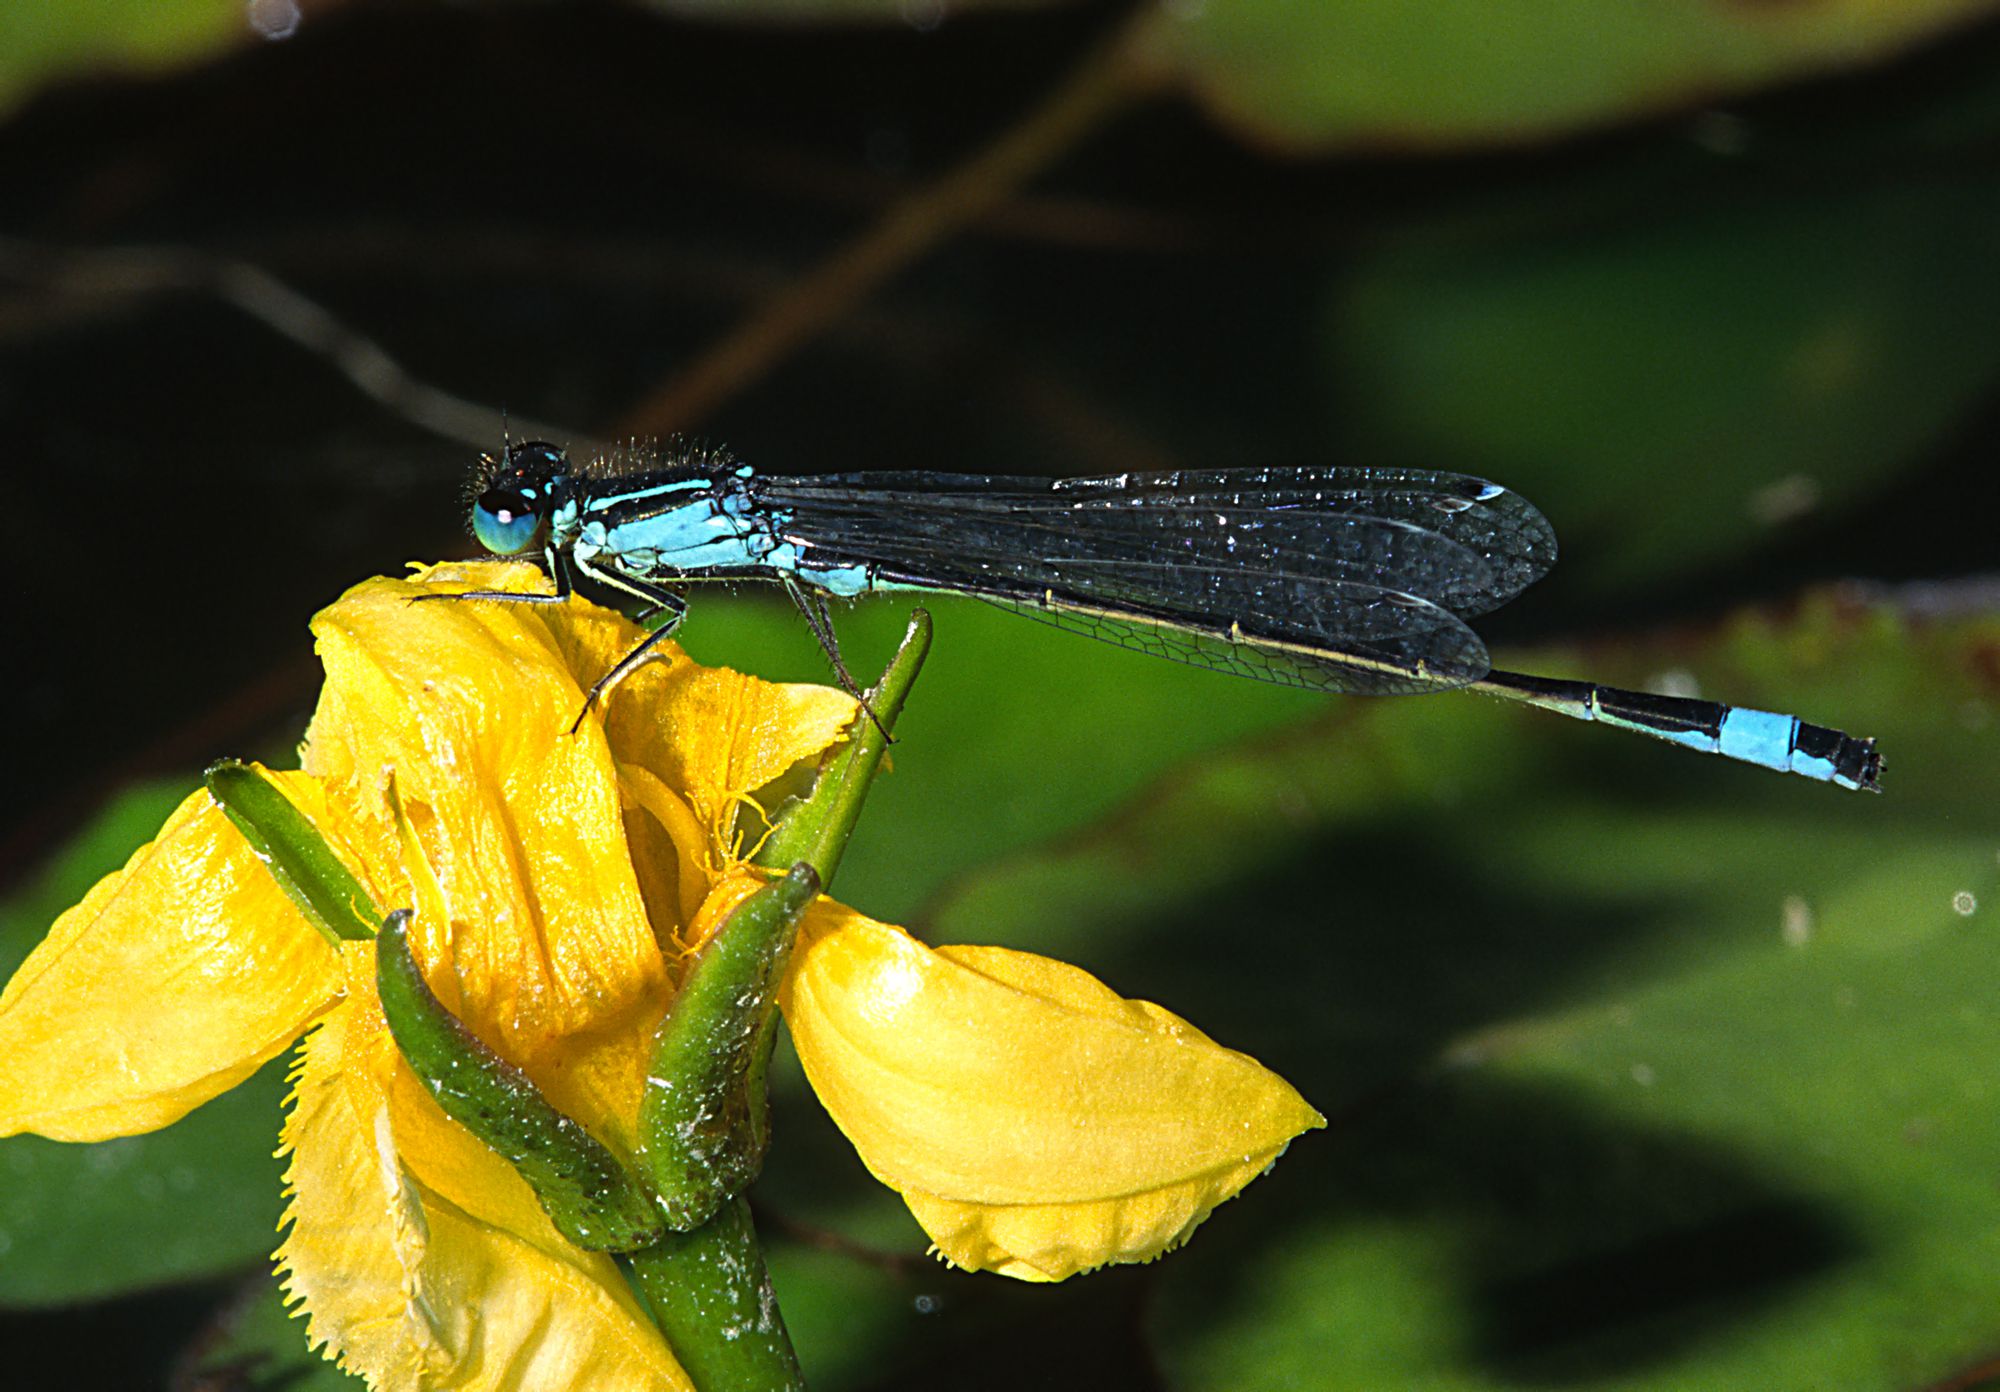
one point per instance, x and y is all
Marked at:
(1338, 579)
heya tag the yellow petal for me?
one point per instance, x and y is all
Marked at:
(546, 950)
(549, 947)
(1052, 1242)
(1038, 1123)
(173, 980)
(670, 842)
(718, 735)
(420, 1257)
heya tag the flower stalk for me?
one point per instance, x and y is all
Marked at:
(710, 1294)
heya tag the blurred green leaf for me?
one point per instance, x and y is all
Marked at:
(1714, 374)
(859, 1316)
(1485, 72)
(1016, 732)
(913, 12)
(40, 43)
(197, 1199)
(1644, 1069)
(1624, 1045)
(263, 1345)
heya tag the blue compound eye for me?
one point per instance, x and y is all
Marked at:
(506, 521)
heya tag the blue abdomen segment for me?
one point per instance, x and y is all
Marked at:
(1762, 737)
(1767, 738)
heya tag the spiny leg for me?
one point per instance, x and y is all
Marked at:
(821, 624)
(552, 562)
(658, 601)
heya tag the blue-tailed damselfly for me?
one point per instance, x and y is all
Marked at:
(1338, 579)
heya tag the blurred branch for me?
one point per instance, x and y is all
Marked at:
(74, 285)
(772, 168)
(1115, 73)
(118, 273)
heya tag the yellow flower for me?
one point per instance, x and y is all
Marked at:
(1036, 1123)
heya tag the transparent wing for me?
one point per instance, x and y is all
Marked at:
(1461, 543)
(1443, 655)
(1337, 579)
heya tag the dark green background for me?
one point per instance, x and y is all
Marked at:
(1643, 1070)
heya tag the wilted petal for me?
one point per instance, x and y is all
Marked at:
(174, 980)
(1039, 1123)
(422, 1258)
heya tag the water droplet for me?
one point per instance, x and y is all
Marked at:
(1720, 132)
(1784, 500)
(1963, 903)
(275, 20)
(924, 16)
(1675, 681)
(1643, 1075)
(1796, 921)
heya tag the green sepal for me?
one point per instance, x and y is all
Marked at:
(816, 829)
(704, 1120)
(593, 1200)
(295, 853)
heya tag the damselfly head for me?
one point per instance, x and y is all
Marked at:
(516, 494)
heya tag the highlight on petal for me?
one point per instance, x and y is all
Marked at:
(421, 1258)
(1037, 1123)
(173, 980)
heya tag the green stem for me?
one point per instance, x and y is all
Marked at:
(709, 1290)
(711, 1297)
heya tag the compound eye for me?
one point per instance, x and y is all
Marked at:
(506, 521)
